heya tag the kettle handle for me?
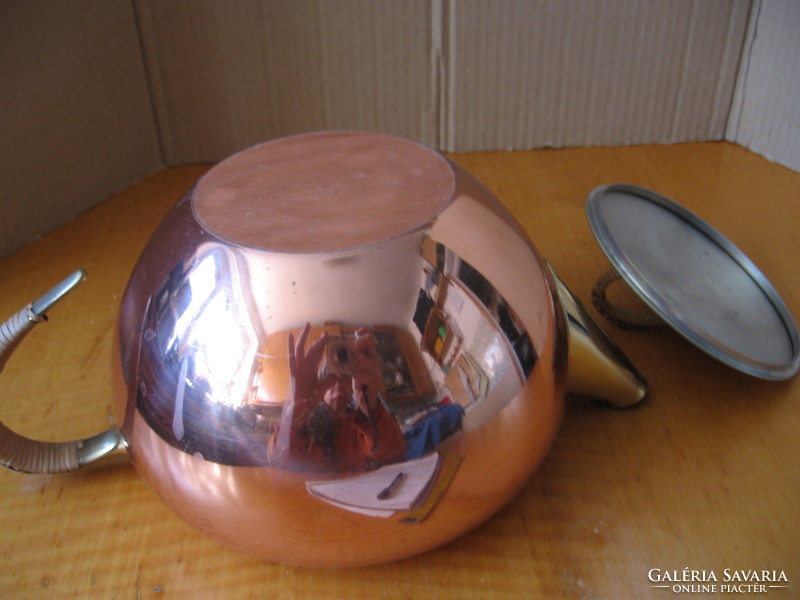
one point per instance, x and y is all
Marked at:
(19, 453)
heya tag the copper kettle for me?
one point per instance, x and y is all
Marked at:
(337, 349)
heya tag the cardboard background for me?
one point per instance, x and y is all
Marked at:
(97, 97)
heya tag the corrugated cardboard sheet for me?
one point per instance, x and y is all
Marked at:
(96, 97)
(76, 122)
(568, 73)
(461, 76)
(765, 116)
(226, 75)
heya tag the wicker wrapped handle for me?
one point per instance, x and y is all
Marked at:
(19, 453)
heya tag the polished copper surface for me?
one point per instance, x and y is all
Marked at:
(258, 295)
(340, 191)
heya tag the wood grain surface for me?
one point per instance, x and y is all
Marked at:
(704, 474)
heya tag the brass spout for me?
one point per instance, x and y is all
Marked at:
(596, 367)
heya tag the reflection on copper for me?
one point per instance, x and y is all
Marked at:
(462, 344)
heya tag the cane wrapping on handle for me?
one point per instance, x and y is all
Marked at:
(13, 331)
(19, 453)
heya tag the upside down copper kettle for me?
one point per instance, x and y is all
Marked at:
(337, 349)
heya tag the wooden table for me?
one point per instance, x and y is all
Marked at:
(703, 475)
